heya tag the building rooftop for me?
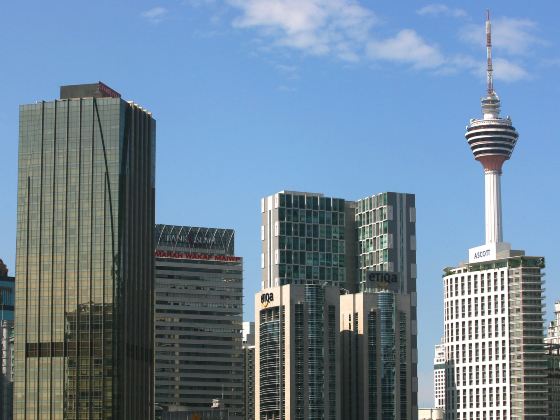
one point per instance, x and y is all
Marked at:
(91, 90)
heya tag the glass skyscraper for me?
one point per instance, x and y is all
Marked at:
(84, 341)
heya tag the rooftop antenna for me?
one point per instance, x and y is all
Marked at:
(489, 81)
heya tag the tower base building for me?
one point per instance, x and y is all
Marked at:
(495, 359)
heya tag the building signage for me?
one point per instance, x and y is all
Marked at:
(189, 239)
(266, 299)
(195, 256)
(488, 252)
(383, 280)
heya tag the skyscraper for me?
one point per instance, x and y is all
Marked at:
(495, 365)
(249, 369)
(376, 369)
(84, 344)
(315, 248)
(439, 375)
(7, 297)
(198, 320)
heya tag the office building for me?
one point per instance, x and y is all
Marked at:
(552, 351)
(296, 352)
(7, 297)
(84, 301)
(7, 369)
(249, 369)
(430, 414)
(553, 331)
(376, 357)
(439, 375)
(198, 320)
(493, 304)
(305, 237)
(386, 234)
(7, 294)
(316, 244)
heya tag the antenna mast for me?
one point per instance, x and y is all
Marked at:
(489, 81)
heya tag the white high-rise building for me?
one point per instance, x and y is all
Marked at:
(553, 333)
(439, 375)
(493, 304)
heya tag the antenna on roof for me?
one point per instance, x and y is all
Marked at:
(489, 80)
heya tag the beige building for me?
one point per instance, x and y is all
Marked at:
(430, 414)
(376, 360)
(296, 349)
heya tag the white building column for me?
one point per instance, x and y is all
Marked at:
(493, 205)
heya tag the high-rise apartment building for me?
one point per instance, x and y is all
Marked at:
(495, 365)
(84, 302)
(198, 320)
(315, 247)
(386, 234)
(296, 353)
(376, 357)
(249, 369)
(439, 375)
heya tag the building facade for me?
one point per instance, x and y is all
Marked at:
(296, 350)
(376, 357)
(386, 232)
(495, 365)
(85, 258)
(249, 369)
(493, 305)
(553, 331)
(305, 240)
(7, 298)
(439, 375)
(198, 320)
(324, 244)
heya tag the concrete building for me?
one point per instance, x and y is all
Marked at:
(376, 357)
(297, 348)
(493, 304)
(439, 375)
(553, 331)
(84, 289)
(198, 320)
(324, 244)
(249, 369)
(430, 414)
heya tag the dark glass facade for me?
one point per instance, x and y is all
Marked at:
(84, 343)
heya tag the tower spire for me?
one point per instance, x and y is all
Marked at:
(489, 80)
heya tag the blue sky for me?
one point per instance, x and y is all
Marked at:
(336, 96)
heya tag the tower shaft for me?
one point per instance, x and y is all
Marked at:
(493, 206)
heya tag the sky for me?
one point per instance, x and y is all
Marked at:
(349, 98)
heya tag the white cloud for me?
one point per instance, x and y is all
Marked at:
(338, 27)
(407, 47)
(436, 9)
(514, 36)
(504, 70)
(344, 29)
(156, 14)
(508, 71)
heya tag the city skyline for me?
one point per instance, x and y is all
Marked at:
(313, 117)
